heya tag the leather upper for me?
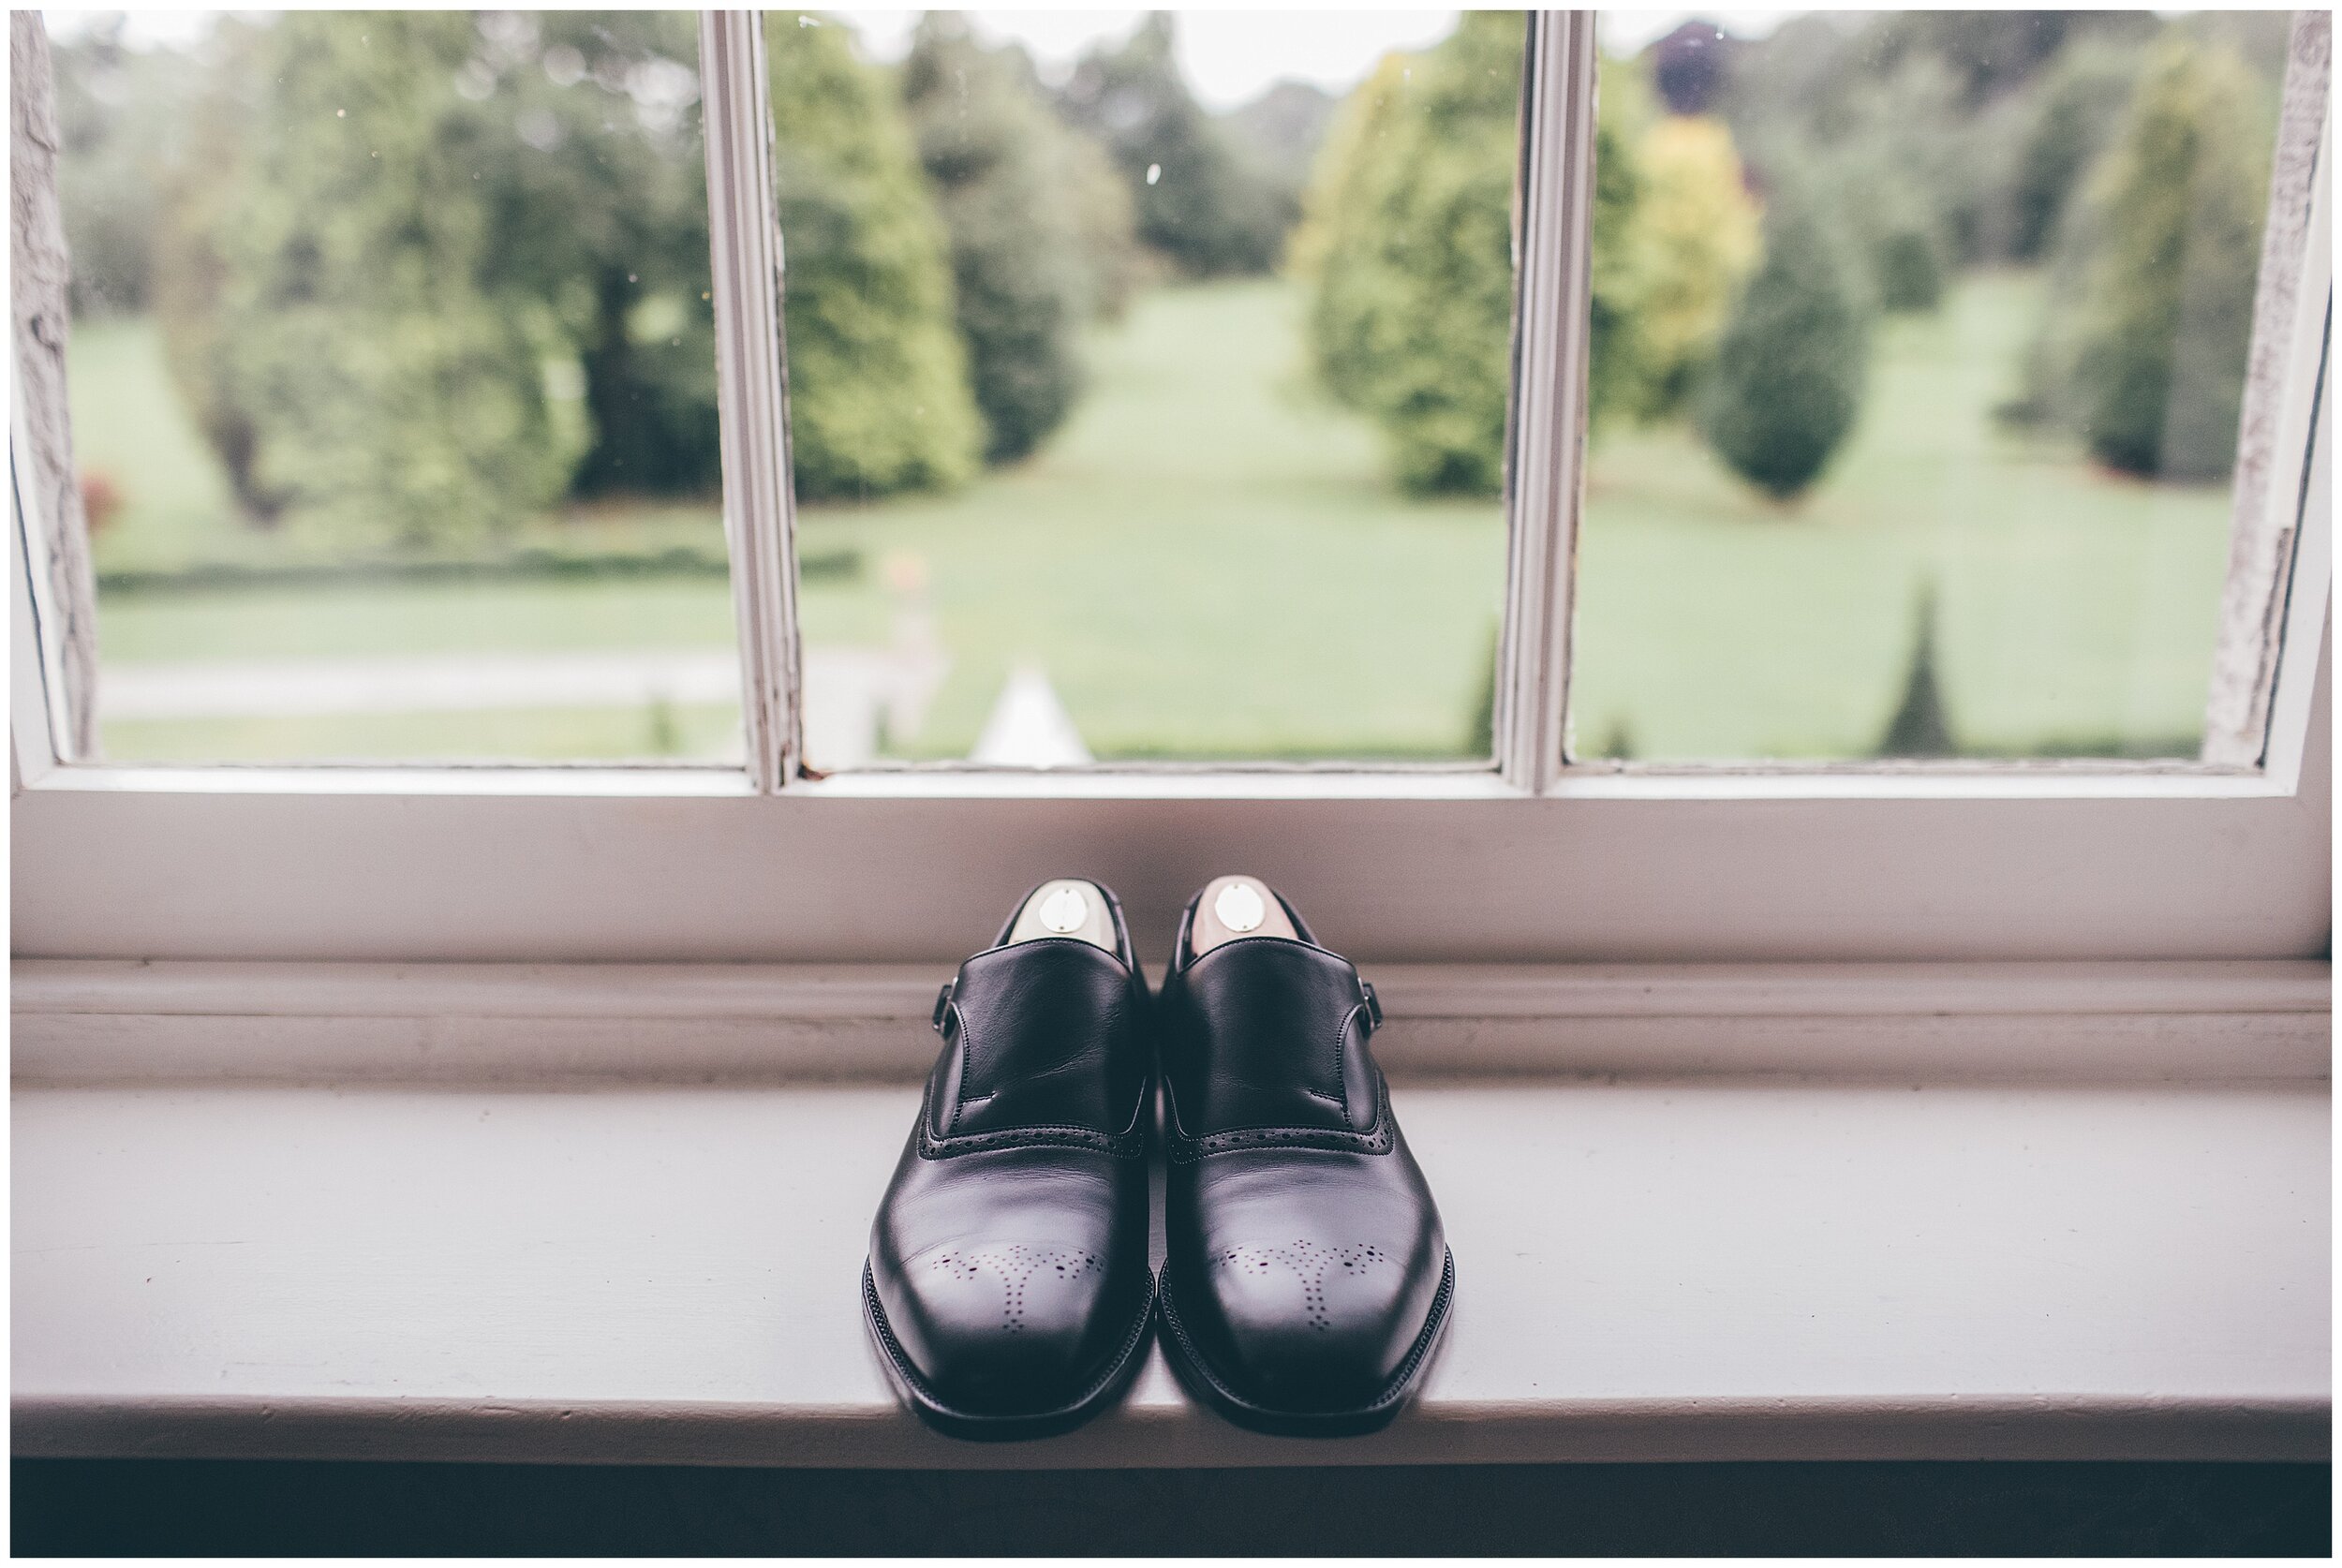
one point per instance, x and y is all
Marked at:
(1009, 1255)
(1269, 1032)
(1045, 1033)
(1306, 1256)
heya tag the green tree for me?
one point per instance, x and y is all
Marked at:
(481, 282)
(589, 157)
(1021, 280)
(1117, 263)
(2170, 246)
(1409, 242)
(1989, 53)
(1906, 244)
(1339, 246)
(186, 270)
(1937, 105)
(1691, 237)
(1792, 366)
(1406, 238)
(1276, 137)
(878, 383)
(1900, 162)
(559, 145)
(387, 395)
(1195, 201)
(2071, 117)
(1621, 373)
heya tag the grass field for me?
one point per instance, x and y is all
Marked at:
(2077, 610)
(130, 426)
(1205, 563)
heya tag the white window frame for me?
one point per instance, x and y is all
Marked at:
(1533, 858)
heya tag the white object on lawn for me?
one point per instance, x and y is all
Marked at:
(1029, 726)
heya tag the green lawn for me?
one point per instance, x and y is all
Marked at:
(2077, 610)
(333, 622)
(130, 427)
(1205, 562)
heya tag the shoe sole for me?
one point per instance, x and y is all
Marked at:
(975, 1427)
(1210, 1387)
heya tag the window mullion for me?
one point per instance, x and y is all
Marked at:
(745, 263)
(1544, 479)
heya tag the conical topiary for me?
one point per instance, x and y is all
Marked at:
(1921, 725)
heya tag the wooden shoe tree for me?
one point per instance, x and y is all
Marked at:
(1066, 907)
(1234, 907)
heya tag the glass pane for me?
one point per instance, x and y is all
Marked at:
(1158, 366)
(1919, 340)
(393, 385)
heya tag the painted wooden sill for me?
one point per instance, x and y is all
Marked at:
(128, 1021)
(1646, 1269)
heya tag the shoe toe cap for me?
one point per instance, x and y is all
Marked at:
(1004, 1327)
(1302, 1326)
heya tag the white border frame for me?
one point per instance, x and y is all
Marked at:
(1532, 860)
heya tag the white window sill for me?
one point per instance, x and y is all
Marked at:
(1647, 1269)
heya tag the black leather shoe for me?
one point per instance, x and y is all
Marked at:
(1308, 1277)
(1007, 1284)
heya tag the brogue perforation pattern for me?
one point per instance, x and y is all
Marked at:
(1015, 1265)
(1311, 1264)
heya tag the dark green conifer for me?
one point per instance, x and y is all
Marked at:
(1793, 362)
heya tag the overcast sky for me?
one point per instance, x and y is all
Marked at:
(1228, 56)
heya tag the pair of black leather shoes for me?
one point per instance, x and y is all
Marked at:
(1306, 1278)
